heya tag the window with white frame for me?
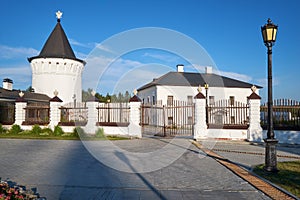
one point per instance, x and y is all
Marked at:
(231, 100)
(211, 100)
(170, 100)
(190, 100)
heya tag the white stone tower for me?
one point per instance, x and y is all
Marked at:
(57, 68)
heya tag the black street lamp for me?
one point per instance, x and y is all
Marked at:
(269, 32)
(206, 100)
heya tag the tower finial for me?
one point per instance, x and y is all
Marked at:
(58, 15)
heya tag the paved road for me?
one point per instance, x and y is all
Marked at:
(66, 170)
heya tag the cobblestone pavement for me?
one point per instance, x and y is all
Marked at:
(66, 170)
(248, 155)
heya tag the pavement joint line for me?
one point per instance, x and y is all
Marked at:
(255, 153)
(254, 180)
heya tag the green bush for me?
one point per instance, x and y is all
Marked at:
(58, 131)
(36, 130)
(2, 129)
(47, 131)
(100, 133)
(78, 131)
(15, 129)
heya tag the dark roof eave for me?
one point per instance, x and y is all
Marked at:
(196, 79)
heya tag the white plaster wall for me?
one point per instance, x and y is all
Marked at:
(233, 134)
(115, 130)
(63, 75)
(148, 92)
(285, 137)
(178, 92)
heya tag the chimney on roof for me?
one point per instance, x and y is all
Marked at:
(180, 68)
(7, 84)
(208, 70)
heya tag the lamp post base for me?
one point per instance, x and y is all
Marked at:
(270, 156)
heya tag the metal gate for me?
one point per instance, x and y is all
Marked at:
(228, 114)
(174, 119)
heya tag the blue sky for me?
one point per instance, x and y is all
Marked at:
(229, 30)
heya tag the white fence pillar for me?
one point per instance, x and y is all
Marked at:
(255, 132)
(55, 112)
(135, 128)
(200, 127)
(20, 110)
(92, 105)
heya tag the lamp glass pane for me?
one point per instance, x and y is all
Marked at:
(274, 34)
(264, 34)
(269, 34)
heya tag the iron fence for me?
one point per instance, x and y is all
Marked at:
(36, 113)
(228, 114)
(286, 115)
(74, 114)
(113, 114)
(7, 113)
(174, 119)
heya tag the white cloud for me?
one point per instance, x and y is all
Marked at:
(162, 56)
(76, 43)
(195, 68)
(89, 45)
(264, 82)
(7, 52)
(104, 48)
(234, 75)
(21, 75)
(108, 75)
(201, 69)
(81, 55)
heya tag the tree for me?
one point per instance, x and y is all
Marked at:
(86, 95)
(30, 89)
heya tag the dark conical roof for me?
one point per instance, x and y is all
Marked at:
(57, 45)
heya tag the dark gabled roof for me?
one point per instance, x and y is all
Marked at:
(12, 95)
(135, 99)
(196, 79)
(57, 46)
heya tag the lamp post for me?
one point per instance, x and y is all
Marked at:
(206, 101)
(108, 109)
(269, 32)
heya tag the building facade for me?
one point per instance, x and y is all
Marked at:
(182, 86)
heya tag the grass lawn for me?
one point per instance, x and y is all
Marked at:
(62, 137)
(15, 132)
(33, 136)
(288, 176)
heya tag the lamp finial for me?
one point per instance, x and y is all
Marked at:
(21, 94)
(199, 89)
(93, 93)
(58, 15)
(253, 88)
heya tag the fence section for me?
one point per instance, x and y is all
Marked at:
(7, 113)
(74, 114)
(286, 115)
(228, 114)
(113, 114)
(174, 119)
(36, 113)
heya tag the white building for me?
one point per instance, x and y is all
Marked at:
(57, 68)
(183, 86)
